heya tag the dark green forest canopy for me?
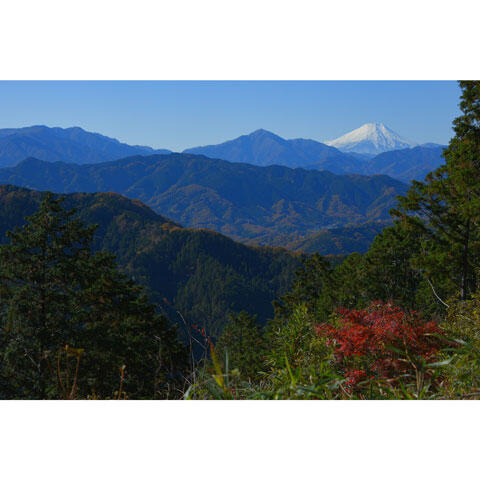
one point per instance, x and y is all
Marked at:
(199, 273)
(62, 305)
(341, 240)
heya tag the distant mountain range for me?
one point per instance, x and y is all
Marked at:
(265, 148)
(407, 164)
(372, 139)
(263, 205)
(71, 145)
(261, 148)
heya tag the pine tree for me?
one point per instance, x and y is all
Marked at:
(445, 209)
(56, 297)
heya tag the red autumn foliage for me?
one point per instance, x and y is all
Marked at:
(386, 338)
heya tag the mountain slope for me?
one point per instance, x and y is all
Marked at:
(262, 205)
(72, 145)
(202, 274)
(397, 157)
(406, 165)
(342, 240)
(263, 148)
(371, 138)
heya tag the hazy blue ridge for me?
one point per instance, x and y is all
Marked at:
(70, 145)
(264, 148)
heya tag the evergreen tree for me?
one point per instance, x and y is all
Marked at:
(242, 343)
(313, 287)
(313, 296)
(390, 274)
(57, 297)
(445, 209)
(350, 285)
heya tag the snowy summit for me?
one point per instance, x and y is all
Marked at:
(371, 138)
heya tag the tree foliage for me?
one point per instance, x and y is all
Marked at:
(401, 320)
(445, 209)
(242, 346)
(56, 296)
(382, 341)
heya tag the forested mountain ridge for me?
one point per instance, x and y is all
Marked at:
(262, 205)
(406, 164)
(201, 274)
(71, 145)
(342, 240)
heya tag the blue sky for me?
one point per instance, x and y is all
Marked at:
(178, 115)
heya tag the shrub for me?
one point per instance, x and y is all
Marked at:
(384, 344)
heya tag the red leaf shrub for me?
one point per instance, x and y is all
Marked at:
(382, 339)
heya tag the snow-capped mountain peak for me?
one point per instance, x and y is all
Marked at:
(371, 138)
